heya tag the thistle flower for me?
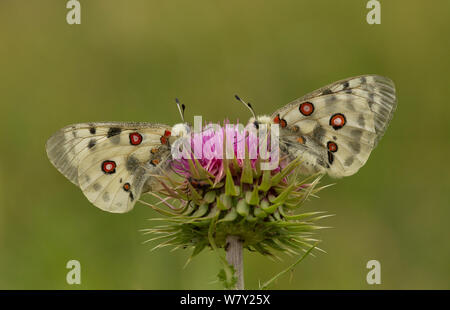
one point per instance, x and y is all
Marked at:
(214, 199)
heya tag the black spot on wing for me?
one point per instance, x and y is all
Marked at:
(92, 130)
(113, 131)
(330, 157)
(326, 92)
(91, 143)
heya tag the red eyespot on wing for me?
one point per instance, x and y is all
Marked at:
(164, 137)
(126, 187)
(154, 162)
(281, 121)
(108, 166)
(135, 138)
(337, 121)
(332, 147)
(306, 108)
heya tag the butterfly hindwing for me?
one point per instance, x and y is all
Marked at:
(110, 162)
(336, 127)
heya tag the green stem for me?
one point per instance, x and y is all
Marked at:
(234, 256)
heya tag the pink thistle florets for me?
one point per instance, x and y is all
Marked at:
(215, 146)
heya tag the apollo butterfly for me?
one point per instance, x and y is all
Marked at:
(113, 163)
(335, 128)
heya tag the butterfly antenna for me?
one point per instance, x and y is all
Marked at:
(181, 108)
(248, 105)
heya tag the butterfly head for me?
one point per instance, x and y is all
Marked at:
(262, 119)
(181, 130)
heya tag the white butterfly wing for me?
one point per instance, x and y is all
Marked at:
(110, 162)
(339, 124)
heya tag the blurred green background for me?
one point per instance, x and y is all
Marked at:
(128, 60)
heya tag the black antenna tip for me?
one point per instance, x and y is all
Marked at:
(177, 101)
(249, 105)
(183, 106)
(237, 97)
